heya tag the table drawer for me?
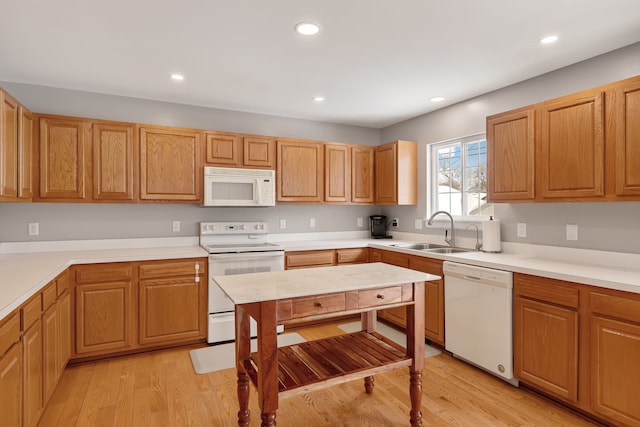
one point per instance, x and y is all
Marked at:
(376, 297)
(321, 304)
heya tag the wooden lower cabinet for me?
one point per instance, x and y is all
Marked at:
(397, 315)
(124, 307)
(104, 313)
(433, 297)
(546, 335)
(172, 309)
(309, 259)
(11, 386)
(32, 381)
(615, 356)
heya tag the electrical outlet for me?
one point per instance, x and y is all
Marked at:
(176, 226)
(283, 224)
(572, 231)
(34, 229)
(418, 224)
(395, 222)
(522, 229)
(360, 222)
(312, 222)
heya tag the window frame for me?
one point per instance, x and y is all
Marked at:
(432, 181)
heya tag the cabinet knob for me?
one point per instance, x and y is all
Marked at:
(318, 304)
(380, 296)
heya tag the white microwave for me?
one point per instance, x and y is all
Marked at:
(239, 187)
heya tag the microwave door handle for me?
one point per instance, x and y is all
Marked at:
(247, 255)
(257, 189)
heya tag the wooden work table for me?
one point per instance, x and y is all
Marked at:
(292, 296)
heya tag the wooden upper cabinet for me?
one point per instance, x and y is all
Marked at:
(8, 146)
(300, 171)
(337, 177)
(25, 153)
(170, 164)
(511, 155)
(63, 150)
(362, 172)
(113, 162)
(223, 149)
(259, 152)
(572, 146)
(626, 113)
(396, 173)
(231, 150)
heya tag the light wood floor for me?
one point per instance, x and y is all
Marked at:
(161, 389)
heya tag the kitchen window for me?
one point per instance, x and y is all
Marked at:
(458, 177)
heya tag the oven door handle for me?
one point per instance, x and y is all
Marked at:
(247, 255)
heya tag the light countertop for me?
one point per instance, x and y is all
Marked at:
(25, 270)
(276, 285)
(22, 275)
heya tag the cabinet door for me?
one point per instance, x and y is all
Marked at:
(25, 153)
(397, 315)
(103, 317)
(223, 150)
(337, 173)
(170, 164)
(572, 147)
(33, 370)
(11, 386)
(626, 114)
(172, 310)
(300, 170)
(50, 347)
(386, 174)
(64, 330)
(362, 166)
(8, 145)
(546, 347)
(615, 369)
(510, 155)
(62, 158)
(433, 297)
(259, 152)
(113, 161)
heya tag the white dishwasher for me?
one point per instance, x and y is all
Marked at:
(478, 309)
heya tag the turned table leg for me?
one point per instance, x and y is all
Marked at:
(243, 399)
(268, 419)
(415, 392)
(368, 384)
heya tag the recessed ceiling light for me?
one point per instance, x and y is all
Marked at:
(318, 98)
(307, 28)
(549, 39)
(437, 99)
(177, 77)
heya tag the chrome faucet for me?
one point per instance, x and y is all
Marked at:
(478, 244)
(452, 240)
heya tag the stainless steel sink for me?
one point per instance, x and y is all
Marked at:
(446, 250)
(419, 246)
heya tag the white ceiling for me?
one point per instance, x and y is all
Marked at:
(377, 62)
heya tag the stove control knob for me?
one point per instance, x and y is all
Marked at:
(241, 227)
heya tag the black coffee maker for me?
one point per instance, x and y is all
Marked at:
(378, 227)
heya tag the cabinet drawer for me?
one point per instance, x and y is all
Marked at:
(306, 259)
(618, 306)
(9, 332)
(549, 290)
(103, 273)
(352, 255)
(395, 258)
(174, 268)
(375, 297)
(31, 312)
(49, 295)
(426, 265)
(63, 282)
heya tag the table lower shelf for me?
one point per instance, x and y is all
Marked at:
(316, 364)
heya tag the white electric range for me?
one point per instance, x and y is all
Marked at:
(234, 248)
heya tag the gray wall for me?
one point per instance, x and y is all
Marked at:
(97, 221)
(612, 226)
